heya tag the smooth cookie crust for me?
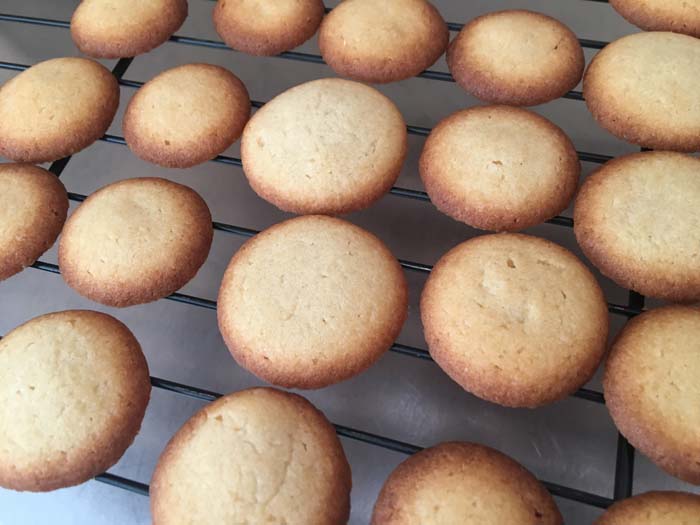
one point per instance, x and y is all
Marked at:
(654, 508)
(661, 15)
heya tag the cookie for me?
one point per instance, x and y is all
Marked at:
(516, 57)
(514, 319)
(74, 387)
(499, 168)
(126, 28)
(135, 241)
(55, 109)
(636, 219)
(463, 483)
(328, 146)
(654, 508)
(267, 27)
(644, 88)
(186, 115)
(650, 387)
(661, 15)
(33, 208)
(256, 456)
(311, 301)
(382, 41)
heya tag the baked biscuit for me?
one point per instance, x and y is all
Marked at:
(499, 168)
(256, 456)
(463, 483)
(650, 387)
(514, 319)
(654, 508)
(516, 57)
(645, 88)
(328, 146)
(33, 208)
(135, 241)
(55, 109)
(186, 115)
(74, 387)
(382, 41)
(636, 219)
(661, 15)
(311, 301)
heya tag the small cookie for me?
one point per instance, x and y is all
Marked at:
(328, 146)
(311, 301)
(74, 388)
(514, 319)
(55, 109)
(33, 208)
(636, 219)
(650, 386)
(186, 115)
(644, 88)
(499, 168)
(125, 28)
(267, 27)
(661, 15)
(654, 508)
(382, 41)
(256, 456)
(135, 241)
(516, 57)
(463, 483)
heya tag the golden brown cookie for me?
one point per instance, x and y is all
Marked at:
(654, 508)
(514, 319)
(499, 168)
(651, 388)
(662, 15)
(33, 208)
(186, 115)
(636, 219)
(516, 57)
(135, 241)
(267, 27)
(125, 28)
(256, 456)
(644, 88)
(463, 483)
(55, 109)
(328, 146)
(311, 301)
(382, 41)
(74, 387)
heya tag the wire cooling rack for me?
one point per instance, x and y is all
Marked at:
(624, 467)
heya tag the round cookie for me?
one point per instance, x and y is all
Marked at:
(644, 88)
(74, 387)
(186, 115)
(256, 456)
(516, 57)
(311, 301)
(56, 108)
(499, 168)
(267, 27)
(650, 387)
(328, 146)
(382, 41)
(135, 241)
(125, 28)
(463, 483)
(636, 219)
(661, 15)
(654, 508)
(33, 208)
(514, 319)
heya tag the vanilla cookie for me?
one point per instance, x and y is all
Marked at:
(55, 109)
(516, 57)
(256, 456)
(135, 241)
(654, 508)
(514, 319)
(311, 301)
(33, 208)
(125, 28)
(328, 146)
(636, 219)
(74, 387)
(661, 15)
